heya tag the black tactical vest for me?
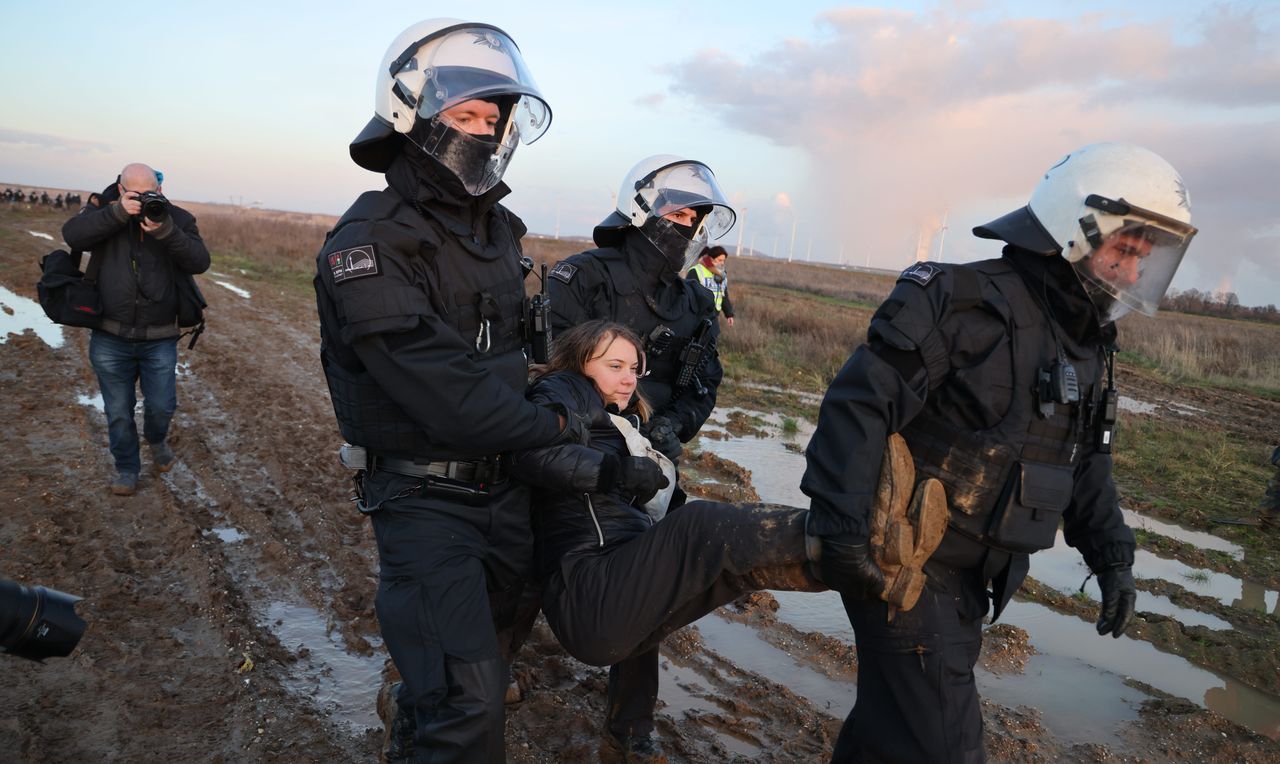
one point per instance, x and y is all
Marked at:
(475, 287)
(1009, 475)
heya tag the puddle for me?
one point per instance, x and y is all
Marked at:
(19, 314)
(741, 644)
(680, 703)
(1072, 656)
(39, 235)
(1063, 569)
(1076, 701)
(341, 684)
(1135, 406)
(1198, 539)
(232, 288)
(1226, 589)
(813, 399)
(94, 401)
(228, 535)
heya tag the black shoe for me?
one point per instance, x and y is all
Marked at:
(635, 749)
(397, 742)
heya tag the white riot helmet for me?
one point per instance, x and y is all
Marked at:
(434, 66)
(1119, 214)
(660, 185)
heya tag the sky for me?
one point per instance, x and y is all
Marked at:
(868, 135)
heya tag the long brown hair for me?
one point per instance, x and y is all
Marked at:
(572, 350)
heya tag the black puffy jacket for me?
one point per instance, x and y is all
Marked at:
(578, 508)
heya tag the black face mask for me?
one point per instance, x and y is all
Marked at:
(671, 239)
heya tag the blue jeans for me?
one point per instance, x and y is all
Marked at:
(121, 365)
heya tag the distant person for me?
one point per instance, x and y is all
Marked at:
(141, 259)
(999, 375)
(619, 573)
(420, 292)
(1270, 516)
(709, 272)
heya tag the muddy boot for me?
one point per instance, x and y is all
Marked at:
(907, 524)
(797, 577)
(125, 484)
(397, 725)
(637, 749)
(162, 456)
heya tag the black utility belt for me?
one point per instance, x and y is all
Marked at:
(476, 471)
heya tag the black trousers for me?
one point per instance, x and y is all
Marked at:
(451, 580)
(917, 699)
(616, 606)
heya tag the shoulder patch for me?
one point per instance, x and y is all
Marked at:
(920, 273)
(354, 263)
(563, 272)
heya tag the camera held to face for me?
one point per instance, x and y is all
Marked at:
(154, 206)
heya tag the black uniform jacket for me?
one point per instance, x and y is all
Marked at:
(420, 295)
(138, 271)
(632, 283)
(578, 508)
(934, 363)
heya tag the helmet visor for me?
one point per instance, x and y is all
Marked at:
(473, 62)
(1127, 260)
(687, 185)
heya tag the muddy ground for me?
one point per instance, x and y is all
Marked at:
(185, 583)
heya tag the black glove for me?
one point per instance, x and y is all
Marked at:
(641, 477)
(661, 433)
(577, 427)
(1118, 596)
(849, 569)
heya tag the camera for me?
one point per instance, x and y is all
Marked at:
(154, 206)
(38, 623)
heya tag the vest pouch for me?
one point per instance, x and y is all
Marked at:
(1028, 517)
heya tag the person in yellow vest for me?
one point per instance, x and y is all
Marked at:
(709, 272)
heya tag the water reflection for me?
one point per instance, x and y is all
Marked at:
(344, 685)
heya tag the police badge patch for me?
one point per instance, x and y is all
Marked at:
(563, 272)
(353, 263)
(921, 273)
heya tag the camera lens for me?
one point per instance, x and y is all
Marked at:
(155, 210)
(36, 622)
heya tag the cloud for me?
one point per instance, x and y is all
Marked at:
(23, 139)
(652, 100)
(906, 116)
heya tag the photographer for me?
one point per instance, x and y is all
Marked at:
(143, 242)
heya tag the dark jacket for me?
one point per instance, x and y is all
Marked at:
(578, 507)
(420, 294)
(630, 282)
(138, 271)
(951, 362)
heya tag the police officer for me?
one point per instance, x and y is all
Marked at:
(668, 209)
(420, 295)
(999, 376)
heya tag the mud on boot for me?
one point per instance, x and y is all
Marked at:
(125, 484)
(162, 456)
(634, 749)
(398, 727)
(907, 525)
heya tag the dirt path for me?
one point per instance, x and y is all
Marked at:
(185, 584)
